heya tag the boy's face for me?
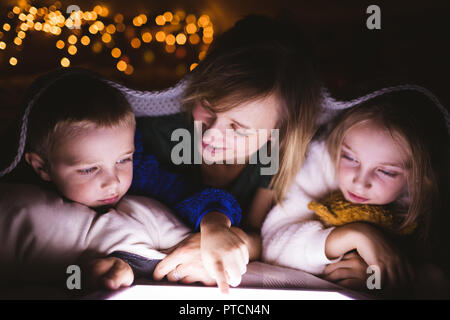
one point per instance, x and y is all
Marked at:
(95, 166)
(371, 169)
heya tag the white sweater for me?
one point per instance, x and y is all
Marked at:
(291, 234)
(41, 233)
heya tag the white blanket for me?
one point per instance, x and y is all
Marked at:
(41, 234)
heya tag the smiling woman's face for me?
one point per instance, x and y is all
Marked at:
(234, 135)
(371, 166)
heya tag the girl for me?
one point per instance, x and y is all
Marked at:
(393, 151)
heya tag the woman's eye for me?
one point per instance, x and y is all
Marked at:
(87, 171)
(239, 131)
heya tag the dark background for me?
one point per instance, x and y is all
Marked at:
(411, 47)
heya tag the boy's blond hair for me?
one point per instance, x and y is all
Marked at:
(69, 105)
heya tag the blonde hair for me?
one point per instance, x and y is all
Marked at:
(258, 57)
(71, 104)
(409, 122)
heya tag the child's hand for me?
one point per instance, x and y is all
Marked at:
(110, 273)
(349, 272)
(224, 253)
(373, 247)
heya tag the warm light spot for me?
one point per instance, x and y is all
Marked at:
(106, 38)
(16, 10)
(38, 26)
(21, 34)
(207, 40)
(170, 39)
(192, 67)
(46, 27)
(116, 53)
(190, 18)
(118, 18)
(160, 20)
(137, 21)
(72, 39)
(97, 47)
(72, 49)
(85, 40)
(120, 27)
(135, 43)
(149, 56)
(208, 32)
(111, 28)
(30, 17)
(143, 18)
(2, 45)
(203, 21)
(22, 17)
(100, 25)
(98, 9)
(201, 55)
(194, 38)
(13, 61)
(146, 37)
(24, 27)
(60, 44)
(93, 29)
(170, 48)
(65, 62)
(129, 70)
(181, 38)
(160, 36)
(168, 16)
(105, 12)
(17, 41)
(6, 27)
(32, 10)
(55, 30)
(191, 28)
(121, 65)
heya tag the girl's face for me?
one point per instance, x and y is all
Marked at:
(232, 136)
(371, 166)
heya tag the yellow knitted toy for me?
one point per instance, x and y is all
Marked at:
(335, 210)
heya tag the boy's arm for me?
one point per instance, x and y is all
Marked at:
(186, 197)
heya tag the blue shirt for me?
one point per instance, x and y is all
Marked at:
(189, 200)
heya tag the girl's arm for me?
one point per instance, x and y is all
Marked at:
(374, 248)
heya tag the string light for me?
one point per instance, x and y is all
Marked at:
(96, 28)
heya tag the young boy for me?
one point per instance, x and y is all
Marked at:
(82, 143)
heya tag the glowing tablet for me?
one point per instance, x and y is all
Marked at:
(179, 292)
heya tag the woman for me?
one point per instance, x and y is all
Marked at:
(257, 77)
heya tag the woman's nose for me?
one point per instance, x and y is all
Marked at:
(214, 133)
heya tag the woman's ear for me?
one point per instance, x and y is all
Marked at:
(39, 165)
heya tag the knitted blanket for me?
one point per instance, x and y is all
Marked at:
(157, 103)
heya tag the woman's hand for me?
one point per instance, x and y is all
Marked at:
(184, 263)
(224, 253)
(219, 254)
(374, 249)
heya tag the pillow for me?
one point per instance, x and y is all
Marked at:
(41, 233)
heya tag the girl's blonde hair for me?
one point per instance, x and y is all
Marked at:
(417, 127)
(258, 57)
